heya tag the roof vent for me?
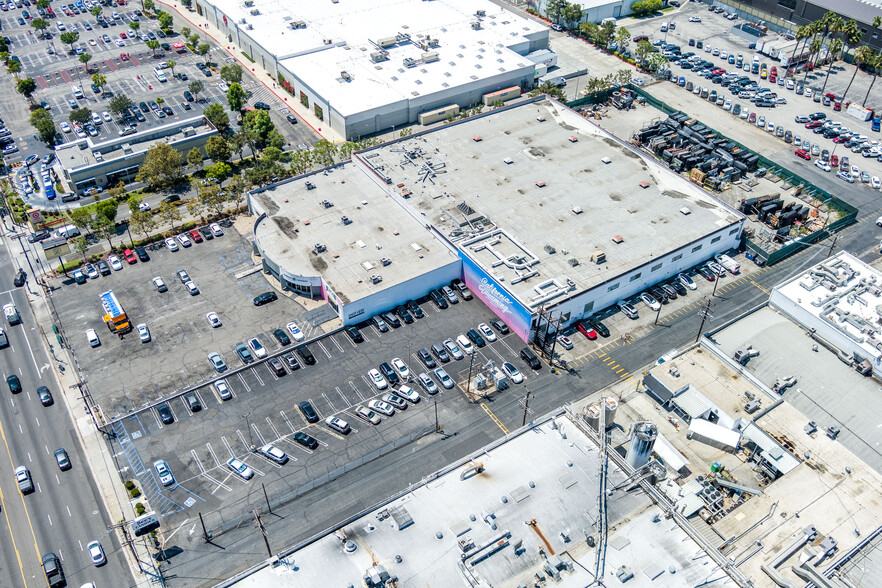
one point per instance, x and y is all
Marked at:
(550, 250)
(378, 56)
(598, 257)
(685, 211)
(327, 203)
(345, 75)
(385, 261)
(311, 186)
(476, 25)
(573, 261)
(430, 56)
(255, 11)
(577, 210)
(376, 278)
(481, 13)
(346, 220)
(617, 239)
(319, 248)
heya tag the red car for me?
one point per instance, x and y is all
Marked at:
(130, 256)
(718, 70)
(123, 36)
(842, 138)
(586, 330)
(830, 95)
(196, 236)
(803, 153)
(837, 106)
(834, 160)
(814, 124)
(124, 56)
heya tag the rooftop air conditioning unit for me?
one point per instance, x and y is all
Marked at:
(476, 25)
(378, 56)
(255, 11)
(432, 42)
(319, 248)
(311, 186)
(345, 75)
(409, 62)
(249, 3)
(376, 278)
(387, 42)
(385, 261)
(481, 13)
(249, 26)
(430, 56)
(242, 20)
(346, 220)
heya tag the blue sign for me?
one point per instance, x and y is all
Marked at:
(517, 316)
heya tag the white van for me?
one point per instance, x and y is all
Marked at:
(67, 232)
(160, 75)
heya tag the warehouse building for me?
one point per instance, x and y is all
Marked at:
(363, 67)
(533, 206)
(88, 164)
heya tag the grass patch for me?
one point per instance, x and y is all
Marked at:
(248, 57)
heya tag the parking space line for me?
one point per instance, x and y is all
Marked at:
(323, 348)
(227, 445)
(273, 427)
(328, 400)
(356, 389)
(334, 340)
(213, 456)
(287, 421)
(340, 392)
(312, 402)
(258, 433)
(242, 440)
(256, 375)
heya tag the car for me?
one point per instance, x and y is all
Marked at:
(261, 106)
(439, 351)
(387, 372)
(223, 390)
(191, 288)
(264, 298)
(402, 312)
(844, 175)
(377, 379)
(414, 309)
(427, 383)
(62, 459)
(876, 183)
(143, 332)
(803, 154)
(184, 240)
(14, 383)
(395, 401)
(382, 407)
(238, 467)
(628, 310)
(426, 358)
(20, 278)
(273, 453)
(409, 393)
(160, 284)
(291, 361)
(565, 342)
(500, 326)
(166, 478)
(475, 338)
(23, 477)
(216, 230)
(218, 362)
(821, 164)
(196, 236)
(338, 424)
(716, 268)
(308, 412)
(586, 330)
(96, 554)
(367, 415)
(486, 332)
(802, 119)
(115, 263)
(291, 119)
(192, 402)
(687, 281)
(306, 440)
(465, 344)
(354, 334)
(512, 372)
(276, 365)
(454, 349)
(443, 377)
(694, 19)
(401, 368)
(438, 299)
(305, 354)
(91, 271)
(650, 301)
(45, 396)
(129, 257)
(257, 347)
(450, 295)
(598, 326)
(92, 338)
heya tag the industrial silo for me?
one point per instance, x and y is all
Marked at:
(643, 437)
(591, 414)
(611, 405)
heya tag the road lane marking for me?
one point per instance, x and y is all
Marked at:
(494, 418)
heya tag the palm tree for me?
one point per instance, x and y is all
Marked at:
(802, 33)
(835, 48)
(875, 62)
(862, 55)
(814, 48)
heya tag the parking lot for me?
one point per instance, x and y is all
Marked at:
(127, 64)
(264, 409)
(716, 33)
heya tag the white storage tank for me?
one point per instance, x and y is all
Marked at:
(643, 438)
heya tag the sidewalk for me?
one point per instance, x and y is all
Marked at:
(201, 24)
(100, 461)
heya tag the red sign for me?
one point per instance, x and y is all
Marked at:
(225, 20)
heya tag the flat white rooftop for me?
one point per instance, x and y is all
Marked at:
(335, 37)
(541, 476)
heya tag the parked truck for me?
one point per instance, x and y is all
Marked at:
(114, 315)
(727, 262)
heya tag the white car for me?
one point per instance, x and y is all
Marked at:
(687, 281)
(66, 127)
(338, 424)
(165, 476)
(401, 368)
(106, 116)
(650, 301)
(378, 380)
(115, 263)
(92, 337)
(191, 288)
(257, 347)
(408, 393)
(428, 383)
(465, 344)
(453, 349)
(120, 43)
(487, 332)
(789, 84)
(213, 320)
(295, 331)
(716, 268)
(160, 284)
(216, 229)
(185, 240)
(821, 164)
(96, 554)
(879, 222)
(694, 19)
(171, 244)
(272, 452)
(727, 105)
(382, 407)
(143, 333)
(238, 467)
(512, 372)
(855, 171)
(808, 93)
(144, 207)
(876, 183)
(223, 390)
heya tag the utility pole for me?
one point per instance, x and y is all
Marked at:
(437, 426)
(248, 426)
(829, 253)
(658, 314)
(265, 497)
(705, 315)
(554, 341)
(205, 536)
(471, 366)
(263, 531)
(526, 407)
(716, 281)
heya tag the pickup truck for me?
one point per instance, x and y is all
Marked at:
(23, 477)
(727, 262)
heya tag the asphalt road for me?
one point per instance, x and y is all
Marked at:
(65, 512)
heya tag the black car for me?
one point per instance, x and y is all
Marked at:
(168, 111)
(500, 326)
(142, 253)
(291, 119)
(206, 233)
(13, 383)
(165, 413)
(598, 326)
(306, 355)
(475, 338)
(306, 440)
(172, 198)
(817, 116)
(277, 366)
(281, 337)
(104, 268)
(291, 361)
(405, 316)
(679, 287)
(389, 373)
(354, 334)
(415, 309)
(427, 358)
(309, 412)
(659, 294)
(45, 396)
(265, 298)
(143, 106)
(438, 299)
(261, 106)
(391, 320)
(20, 277)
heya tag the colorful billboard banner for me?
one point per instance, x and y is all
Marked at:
(500, 301)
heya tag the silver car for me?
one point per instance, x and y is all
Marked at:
(238, 467)
(444, 378)
(453, 348)
(218, 362)
(162, 470)
(428, 383)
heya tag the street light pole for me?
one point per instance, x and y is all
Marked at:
(248, 426)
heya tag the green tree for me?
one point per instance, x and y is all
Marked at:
(119, 104)
(643, 50)
(623, 39)
(217, 116)
(149, 5)
(554, 9)
(264, 173)
(572, 13)
(162, 166)
(236, 191)
(646, 7)
(590, 31)
(134, 202)
(195, 87)
(202, 50)
(81, 245)
(96, 11)
(324, 152)
(271, 154)
(238, 142)
(275, 140)
(99, 80)
(169, 213)
(85, 58)
(218, 149)
(171, 64)
(194, 158)
(135, 25)
(236, 97)
(231, 73)
(42, 121)
(194, 39)
(259, 123)
(40, 24)
(212, 198)
(194, 207)
(185, 32)
(187, 3)
(606, 34)
(69, 38)
(300, 162)
(26, 88)
(141, 221)
(835, 47)
(550, 89)
(875, 62)
(13, 67)
(218, 171)
(80, 115)
(104, 222)
(153, 44)
(44, 4)
(165, 21)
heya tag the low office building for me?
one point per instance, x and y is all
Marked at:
(86, 163)
(363, 67)
(541, 208)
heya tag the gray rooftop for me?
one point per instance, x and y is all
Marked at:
(540, 475)
(379, 228)
(539, 183)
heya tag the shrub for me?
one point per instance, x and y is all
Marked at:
(135, 492)
(645, 7)
(129, 484)
(139, 509)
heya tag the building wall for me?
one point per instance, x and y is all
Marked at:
(659, 268)
(595, 14)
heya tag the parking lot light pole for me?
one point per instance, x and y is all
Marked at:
(248, 426)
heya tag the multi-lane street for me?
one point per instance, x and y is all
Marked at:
(64, 512)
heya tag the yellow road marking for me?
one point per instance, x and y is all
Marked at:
(28, 516)
(495, 419)
(761, 288)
